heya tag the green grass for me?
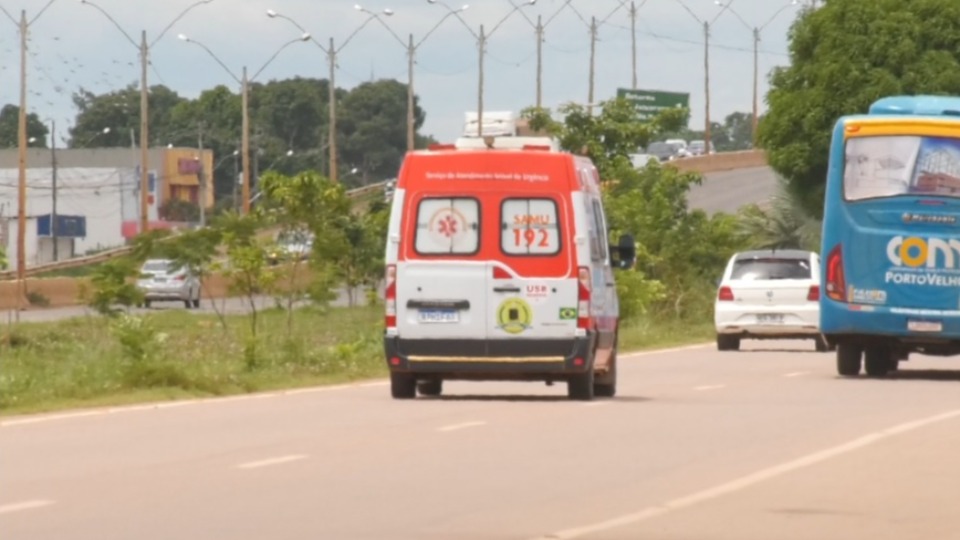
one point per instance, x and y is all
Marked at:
(92, 361)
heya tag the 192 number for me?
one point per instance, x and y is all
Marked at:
(530, 237)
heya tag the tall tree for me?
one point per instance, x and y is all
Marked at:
(844, 56)
(120, 111)
(371, 122)
(9, 128)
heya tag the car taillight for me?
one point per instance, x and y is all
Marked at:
(181, 277)
(814, 293)
(725, 294)
(836, 285)
(390, 297)
(583, 299)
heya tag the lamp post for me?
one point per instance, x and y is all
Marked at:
(706, 67)
(331, 51)
(144, 49)
(23, 26)
(482, 38)
(411, 48)
(755, 30)
(244, 83)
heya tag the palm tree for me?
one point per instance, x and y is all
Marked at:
(780, 223)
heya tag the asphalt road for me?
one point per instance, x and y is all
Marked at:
(761, 444)
(727, 191)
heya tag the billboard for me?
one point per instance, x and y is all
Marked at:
(651, 102)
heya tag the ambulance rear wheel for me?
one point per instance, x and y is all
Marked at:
(606, 385)
(430, 387)
(580, 386)
(403, 386)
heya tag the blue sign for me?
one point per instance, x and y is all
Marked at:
(67, 226)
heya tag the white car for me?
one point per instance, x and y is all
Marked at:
(162, 280)
(769, 294)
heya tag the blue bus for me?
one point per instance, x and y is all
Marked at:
(891, 235)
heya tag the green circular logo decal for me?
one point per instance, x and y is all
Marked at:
(514, 315)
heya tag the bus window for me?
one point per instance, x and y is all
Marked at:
(887, 166)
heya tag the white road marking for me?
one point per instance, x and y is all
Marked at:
(710, 387)
(750, 480)
(464, 425)
(272, 461)
(26, 505)
(797, 374)
(42, 418)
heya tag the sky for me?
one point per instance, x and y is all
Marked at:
(73, 45)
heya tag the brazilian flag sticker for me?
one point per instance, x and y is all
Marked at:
(568, 313)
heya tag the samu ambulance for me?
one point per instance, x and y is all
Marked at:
(498, 268)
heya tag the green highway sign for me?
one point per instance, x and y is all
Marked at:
(651, 102)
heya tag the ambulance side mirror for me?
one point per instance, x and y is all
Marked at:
(625, 253)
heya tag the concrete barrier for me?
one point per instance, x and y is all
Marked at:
(725, 161)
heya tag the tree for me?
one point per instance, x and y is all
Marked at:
(9, 128)
(120, 111)
(782, 224)
(372, 125)
(844, 56)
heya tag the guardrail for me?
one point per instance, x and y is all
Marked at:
(109, 254)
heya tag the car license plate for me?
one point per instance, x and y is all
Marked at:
(438, 316)
(925, 326)
(770, 318)
(160, 279)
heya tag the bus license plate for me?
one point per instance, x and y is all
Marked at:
(770, 318)
(925, 326)
(438, 316)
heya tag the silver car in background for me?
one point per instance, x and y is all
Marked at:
(161, 280)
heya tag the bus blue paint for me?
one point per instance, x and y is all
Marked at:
(892, 212)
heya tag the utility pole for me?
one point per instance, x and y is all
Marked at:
(539, 61)
(593, 59)
(236, 179)
(706, 83)
(53, 205)
(482, 42)
(245, 142)
(144, 137)
(756, 46)
(202, 188)
(332, 55)
(411, 134)
(633, 41)
(22, 166)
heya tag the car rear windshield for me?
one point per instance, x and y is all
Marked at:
(770, 268)
(156, 266)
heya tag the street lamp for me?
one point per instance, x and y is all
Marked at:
(706, 67)
(24, 26)
(244, 82)
(756, 56)
(482, 38)
(331, 52)
(144, 49)
(411, 48)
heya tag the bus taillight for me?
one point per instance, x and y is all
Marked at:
(836, 285)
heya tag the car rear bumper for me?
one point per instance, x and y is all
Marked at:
(798, 321)
(166, 294)
(495, 359)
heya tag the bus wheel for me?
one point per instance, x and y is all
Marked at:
(848, 359)
(431, 387)
(403, 386)
(580, 387)
(877, 360)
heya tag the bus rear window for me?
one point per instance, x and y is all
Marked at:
(448, 226)
(756, 269)
(529, 227)
(888, 166)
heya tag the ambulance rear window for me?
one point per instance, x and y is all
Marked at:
(448, 226)
(529, 227)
